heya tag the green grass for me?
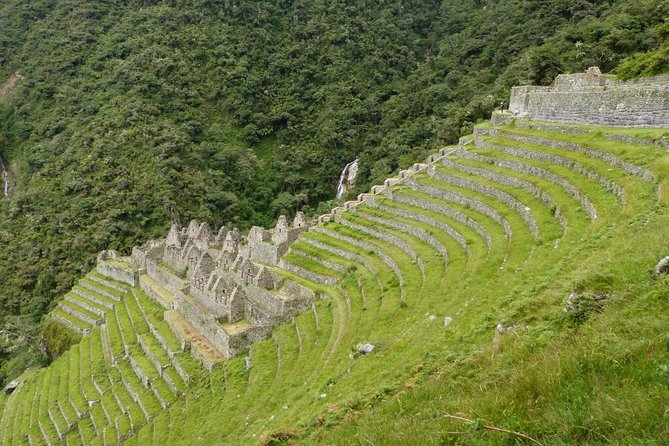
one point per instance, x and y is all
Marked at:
(73, 319)
(153, 313)
(93, 275)
(605, 202)
(137, 318)
(549, 227)
(119, 263)
(74, 381)
(643, 133)
(79, 309)
(80, 301)
(147, 397)
(520, 244)
(87, 430)
(117, 346)
(83, 374)
(128, 332)
(490, 227)
(100, 287)
(311, 265)
(106, 301)
(135, 415)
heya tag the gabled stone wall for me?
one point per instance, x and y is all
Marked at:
(112, 265)
(221, 284)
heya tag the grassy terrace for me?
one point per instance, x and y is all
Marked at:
(642, 133)
(396, 267)
(89, 397)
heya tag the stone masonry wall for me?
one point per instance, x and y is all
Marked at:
(591, 98)
(106, 265)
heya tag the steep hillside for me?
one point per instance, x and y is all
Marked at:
(133, 113)
(508, 281)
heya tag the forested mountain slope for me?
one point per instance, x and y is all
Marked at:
(131, 114)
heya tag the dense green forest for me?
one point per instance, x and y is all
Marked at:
(133, 113)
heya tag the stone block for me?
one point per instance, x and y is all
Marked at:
(167, 279)
(351, 204)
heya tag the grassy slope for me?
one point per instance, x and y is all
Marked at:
(602, 381)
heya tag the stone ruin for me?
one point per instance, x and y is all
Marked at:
(597, 99)
(222, 284)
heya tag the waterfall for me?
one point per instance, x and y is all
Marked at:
(5, 177)
(347, 177)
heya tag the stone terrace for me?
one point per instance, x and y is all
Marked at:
(592, 98)
(512, 201)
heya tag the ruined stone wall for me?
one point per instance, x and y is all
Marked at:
(167, 280)
(204, 322)
(264, 253)
(110, 264)
(592, 98)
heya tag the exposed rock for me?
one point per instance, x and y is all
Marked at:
(579, 307)
(432, 317)
(447, 321)
(500, 330)
(7, 86)
(504, 329)
(247, 363)
(347, 178)
(11, 387)
(662, 267)
(365, 348)
(572, 303)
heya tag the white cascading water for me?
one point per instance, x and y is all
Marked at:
(347, 177)
(5, 177)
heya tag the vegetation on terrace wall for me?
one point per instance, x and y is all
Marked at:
(134, 113)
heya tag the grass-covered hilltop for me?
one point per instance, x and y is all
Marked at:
(175, 267)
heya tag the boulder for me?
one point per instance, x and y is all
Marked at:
(504, 329)
(11, 387)
(572, 303)
(365, 348)
(662, 267)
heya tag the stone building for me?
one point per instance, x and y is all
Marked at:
(222, 284)
(597, 99)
